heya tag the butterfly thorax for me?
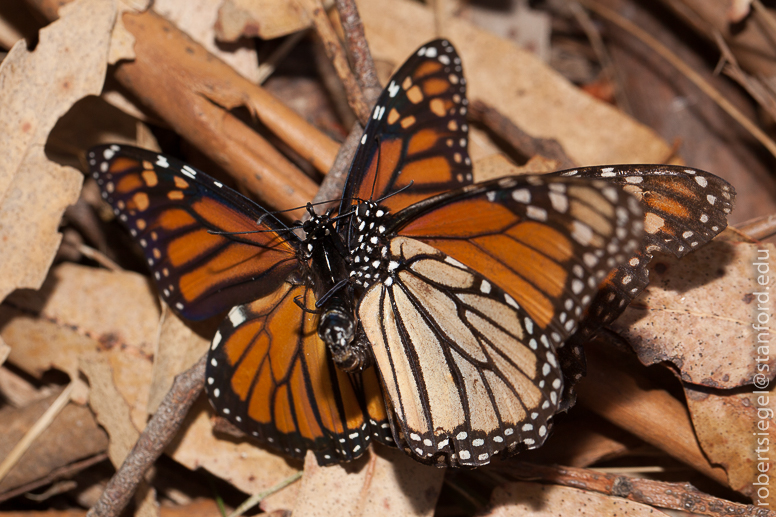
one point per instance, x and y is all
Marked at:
(369, 244)
(328, 259)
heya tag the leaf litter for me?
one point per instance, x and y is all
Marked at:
(81, 321)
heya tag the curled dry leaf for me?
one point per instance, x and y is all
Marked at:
(71, 436)
(738, 10)
(80, 310)
(4, 351)
(737, 430)
(698, 313)
(618, 389)
(113, 413)
(533, 96)
(38, 88)
(197, 19)
(241, 463)
(534, 500)
(383, 482)
(497, 165)
(267, 19)
(178, 349)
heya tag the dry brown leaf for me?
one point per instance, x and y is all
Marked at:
(122, 42)
(71, 436)
(698, 313)
(83, 310)
(38, 88)
(178, 349)
(18, 391)
(498, 165)
(245, 465)
(737, 431)
(95, 301)
(524, 89)
(4, 351)
(113, 413)
(267, 19)
(197, 19)
(383, 482)
(38, 345)
(110, 407)
(738, 10)
(580, 441)
(534, 500)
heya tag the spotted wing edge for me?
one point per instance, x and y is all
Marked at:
(167, 170)
(425, 446)
(445, 53)
(310, 392)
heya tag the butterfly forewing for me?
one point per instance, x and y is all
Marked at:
(172, 209)
(684, 208)
(480, 289)
(474, 299)
(271, 375)
(416, 144)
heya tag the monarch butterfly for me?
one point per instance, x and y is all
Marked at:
(430, 312)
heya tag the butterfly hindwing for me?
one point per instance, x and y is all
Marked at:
(270, 374)
(171, 210)
(416, 144)
(477, 290)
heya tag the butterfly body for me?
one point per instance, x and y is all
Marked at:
(430, 313)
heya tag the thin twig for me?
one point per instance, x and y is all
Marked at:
(594, 37)
(673, 496)
(688, 72)
(40, 425)
(521, 141)
(58, 473)
(267, 68)
(332, 185)
(99, 257)
(754, 87)
(358, 50)
(336, 53)
(159, 432)
(258, 498)
(759, 228)
(765, 15)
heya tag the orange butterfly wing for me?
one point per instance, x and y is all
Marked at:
(270, 374)
(172, 209)
(416, 144)
(476, 293)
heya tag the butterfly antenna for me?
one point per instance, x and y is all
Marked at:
(377, 169)
(405, 187)
(339, 285)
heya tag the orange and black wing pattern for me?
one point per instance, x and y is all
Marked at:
(684, 208)
(477, 291)
(202, 241)
(270, 374)
(416, 143)
(210, 249)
